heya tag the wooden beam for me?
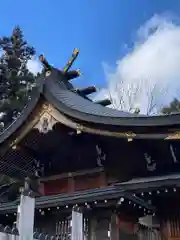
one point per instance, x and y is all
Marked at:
(72, 174)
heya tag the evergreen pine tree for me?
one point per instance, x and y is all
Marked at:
(174, 107)
(15, 79)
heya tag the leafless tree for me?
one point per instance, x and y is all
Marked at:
(137, 97)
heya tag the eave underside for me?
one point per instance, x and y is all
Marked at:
(59, 148)
(126, 190)
(29, 143)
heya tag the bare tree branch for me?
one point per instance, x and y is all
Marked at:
(127, 96)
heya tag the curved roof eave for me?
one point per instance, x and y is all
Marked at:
(59, 93)
(35, 95)
(82, 109)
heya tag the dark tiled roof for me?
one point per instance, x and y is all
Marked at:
(150, 182)
(75, 106)
(125, 189)
(60, 92)
(77, 103)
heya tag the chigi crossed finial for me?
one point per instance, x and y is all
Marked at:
(68, 74)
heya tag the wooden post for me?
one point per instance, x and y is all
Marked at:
(70, 183)
(92, 228)
(77, 224)
(114, 229)
(25, 216)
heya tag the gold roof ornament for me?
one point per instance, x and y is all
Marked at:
(129, 134)
(130, 139)
(137, 110)
(76, 51)
(173, 136)
(71, 60)
(69, 74)
(79, 129)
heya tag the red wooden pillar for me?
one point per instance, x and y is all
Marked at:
(102, 179)
(41, 189)
(71, 185)
(127, 226)
(114, 228)
(170, 229)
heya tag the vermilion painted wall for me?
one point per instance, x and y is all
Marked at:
(89, 182)
(126, 224)
(56, 187)
(78, 183)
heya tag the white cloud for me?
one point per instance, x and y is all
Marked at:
(34, 66)
(152, 65)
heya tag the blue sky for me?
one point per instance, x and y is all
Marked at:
(101, 29)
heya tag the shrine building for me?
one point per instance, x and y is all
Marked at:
(122, 170)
